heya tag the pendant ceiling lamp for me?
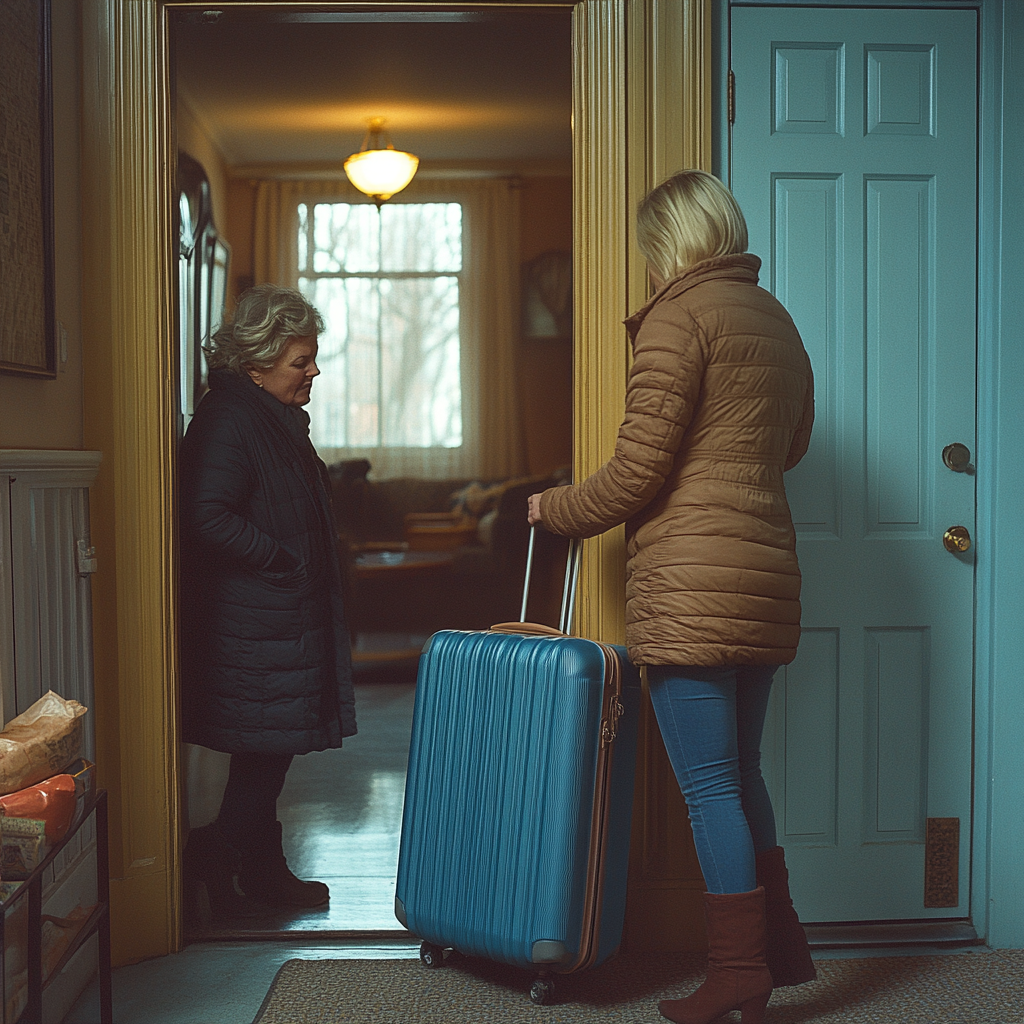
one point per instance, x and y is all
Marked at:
(378, 169)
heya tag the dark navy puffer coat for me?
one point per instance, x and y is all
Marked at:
(266, 661)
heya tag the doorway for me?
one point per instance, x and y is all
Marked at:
(341, 809)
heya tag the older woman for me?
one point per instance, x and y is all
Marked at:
(266, 662)
(718, 405)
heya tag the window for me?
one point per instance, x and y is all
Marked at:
(420, 303)
(388, 283)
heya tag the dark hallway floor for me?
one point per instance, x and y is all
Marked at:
(342, 815)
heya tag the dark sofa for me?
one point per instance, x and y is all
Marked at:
(483, 581)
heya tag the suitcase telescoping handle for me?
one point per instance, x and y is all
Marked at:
(572, 575)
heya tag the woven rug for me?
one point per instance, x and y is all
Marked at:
(986, 987)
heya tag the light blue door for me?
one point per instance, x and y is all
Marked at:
(854, 157)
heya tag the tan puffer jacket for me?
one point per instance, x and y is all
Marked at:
(719, 402)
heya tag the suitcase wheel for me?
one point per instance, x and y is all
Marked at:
(431, 955)
(542, 991)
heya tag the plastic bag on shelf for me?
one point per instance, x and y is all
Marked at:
(40, 742)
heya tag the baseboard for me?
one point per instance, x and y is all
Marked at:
(838, 935)
(879, 934)
(300, 935)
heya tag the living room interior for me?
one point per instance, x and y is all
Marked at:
(431, 519)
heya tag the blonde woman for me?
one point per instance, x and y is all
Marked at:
(719, 403)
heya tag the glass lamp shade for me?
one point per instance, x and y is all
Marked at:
(380, 173)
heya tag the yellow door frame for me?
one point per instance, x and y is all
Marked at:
(641, 108)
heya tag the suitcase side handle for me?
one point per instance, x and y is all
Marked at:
(572, 575)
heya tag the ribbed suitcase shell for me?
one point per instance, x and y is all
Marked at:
(496, 854)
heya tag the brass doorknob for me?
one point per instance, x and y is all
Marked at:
(957, 457)
(957, 539)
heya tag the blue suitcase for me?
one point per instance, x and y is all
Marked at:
(518, 799)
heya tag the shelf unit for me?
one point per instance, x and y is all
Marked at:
(98, 922)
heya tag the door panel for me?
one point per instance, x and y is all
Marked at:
(854, 159)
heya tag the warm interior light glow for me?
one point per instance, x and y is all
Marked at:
(380, 173)
(378, 169)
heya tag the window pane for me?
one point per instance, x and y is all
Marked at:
(422, 236)
(347, 238)
(303, 237)
(420, 363)
(389, 363)
(389, 358)
(344, 407)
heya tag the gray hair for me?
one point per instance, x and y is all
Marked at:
(689, 217)
(266, 318)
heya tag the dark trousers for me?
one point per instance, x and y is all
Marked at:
(248, 809)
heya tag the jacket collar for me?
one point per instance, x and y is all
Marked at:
(736, 267)
(294, 420)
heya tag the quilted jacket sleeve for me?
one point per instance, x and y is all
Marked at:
(802, 437)
(664, 384)
(218, 483)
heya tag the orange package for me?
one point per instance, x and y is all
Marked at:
(52, 801)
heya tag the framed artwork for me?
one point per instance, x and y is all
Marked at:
(195, 235)
(203, 263)
(27, 314)
(547, 296)
(213, 290)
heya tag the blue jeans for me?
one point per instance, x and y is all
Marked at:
(711, 721)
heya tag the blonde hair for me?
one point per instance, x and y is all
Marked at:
(689, 217)
(266, 318)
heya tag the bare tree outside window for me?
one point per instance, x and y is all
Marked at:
(387, 283)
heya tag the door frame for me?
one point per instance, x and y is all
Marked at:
(640, 108)
(997, 829)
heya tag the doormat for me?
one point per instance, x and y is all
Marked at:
(982, 987)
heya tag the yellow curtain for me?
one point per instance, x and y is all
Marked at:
(493, 440)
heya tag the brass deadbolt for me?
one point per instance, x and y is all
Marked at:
(957, 539)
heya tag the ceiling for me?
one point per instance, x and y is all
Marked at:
(276, 86)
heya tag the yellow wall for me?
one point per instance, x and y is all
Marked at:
(40, 413)
(545, 364)
(199, 143)
(241, 206)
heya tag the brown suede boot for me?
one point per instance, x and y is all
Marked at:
(787, 953)
(264, 875)
(737, 977)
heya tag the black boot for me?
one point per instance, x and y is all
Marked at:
(212, 862)
(264, 875)
(788, 955)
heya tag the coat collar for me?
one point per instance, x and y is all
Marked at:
(736, 267)
(293, 420)
(290, 423)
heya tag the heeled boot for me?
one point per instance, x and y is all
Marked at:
(737, 976)
(787, 953)
(211, 861)
(264, 875)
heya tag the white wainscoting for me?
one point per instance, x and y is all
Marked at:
(46, 560)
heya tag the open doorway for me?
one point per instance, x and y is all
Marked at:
(275, 95)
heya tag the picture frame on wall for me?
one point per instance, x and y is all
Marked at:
(213, 289)
(27, 312)
(547, 296)
(194, 216)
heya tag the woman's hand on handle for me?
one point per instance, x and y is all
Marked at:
(533, 514)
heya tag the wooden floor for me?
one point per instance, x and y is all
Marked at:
(342, 815)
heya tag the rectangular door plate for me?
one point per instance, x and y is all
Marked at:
(942, 862)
